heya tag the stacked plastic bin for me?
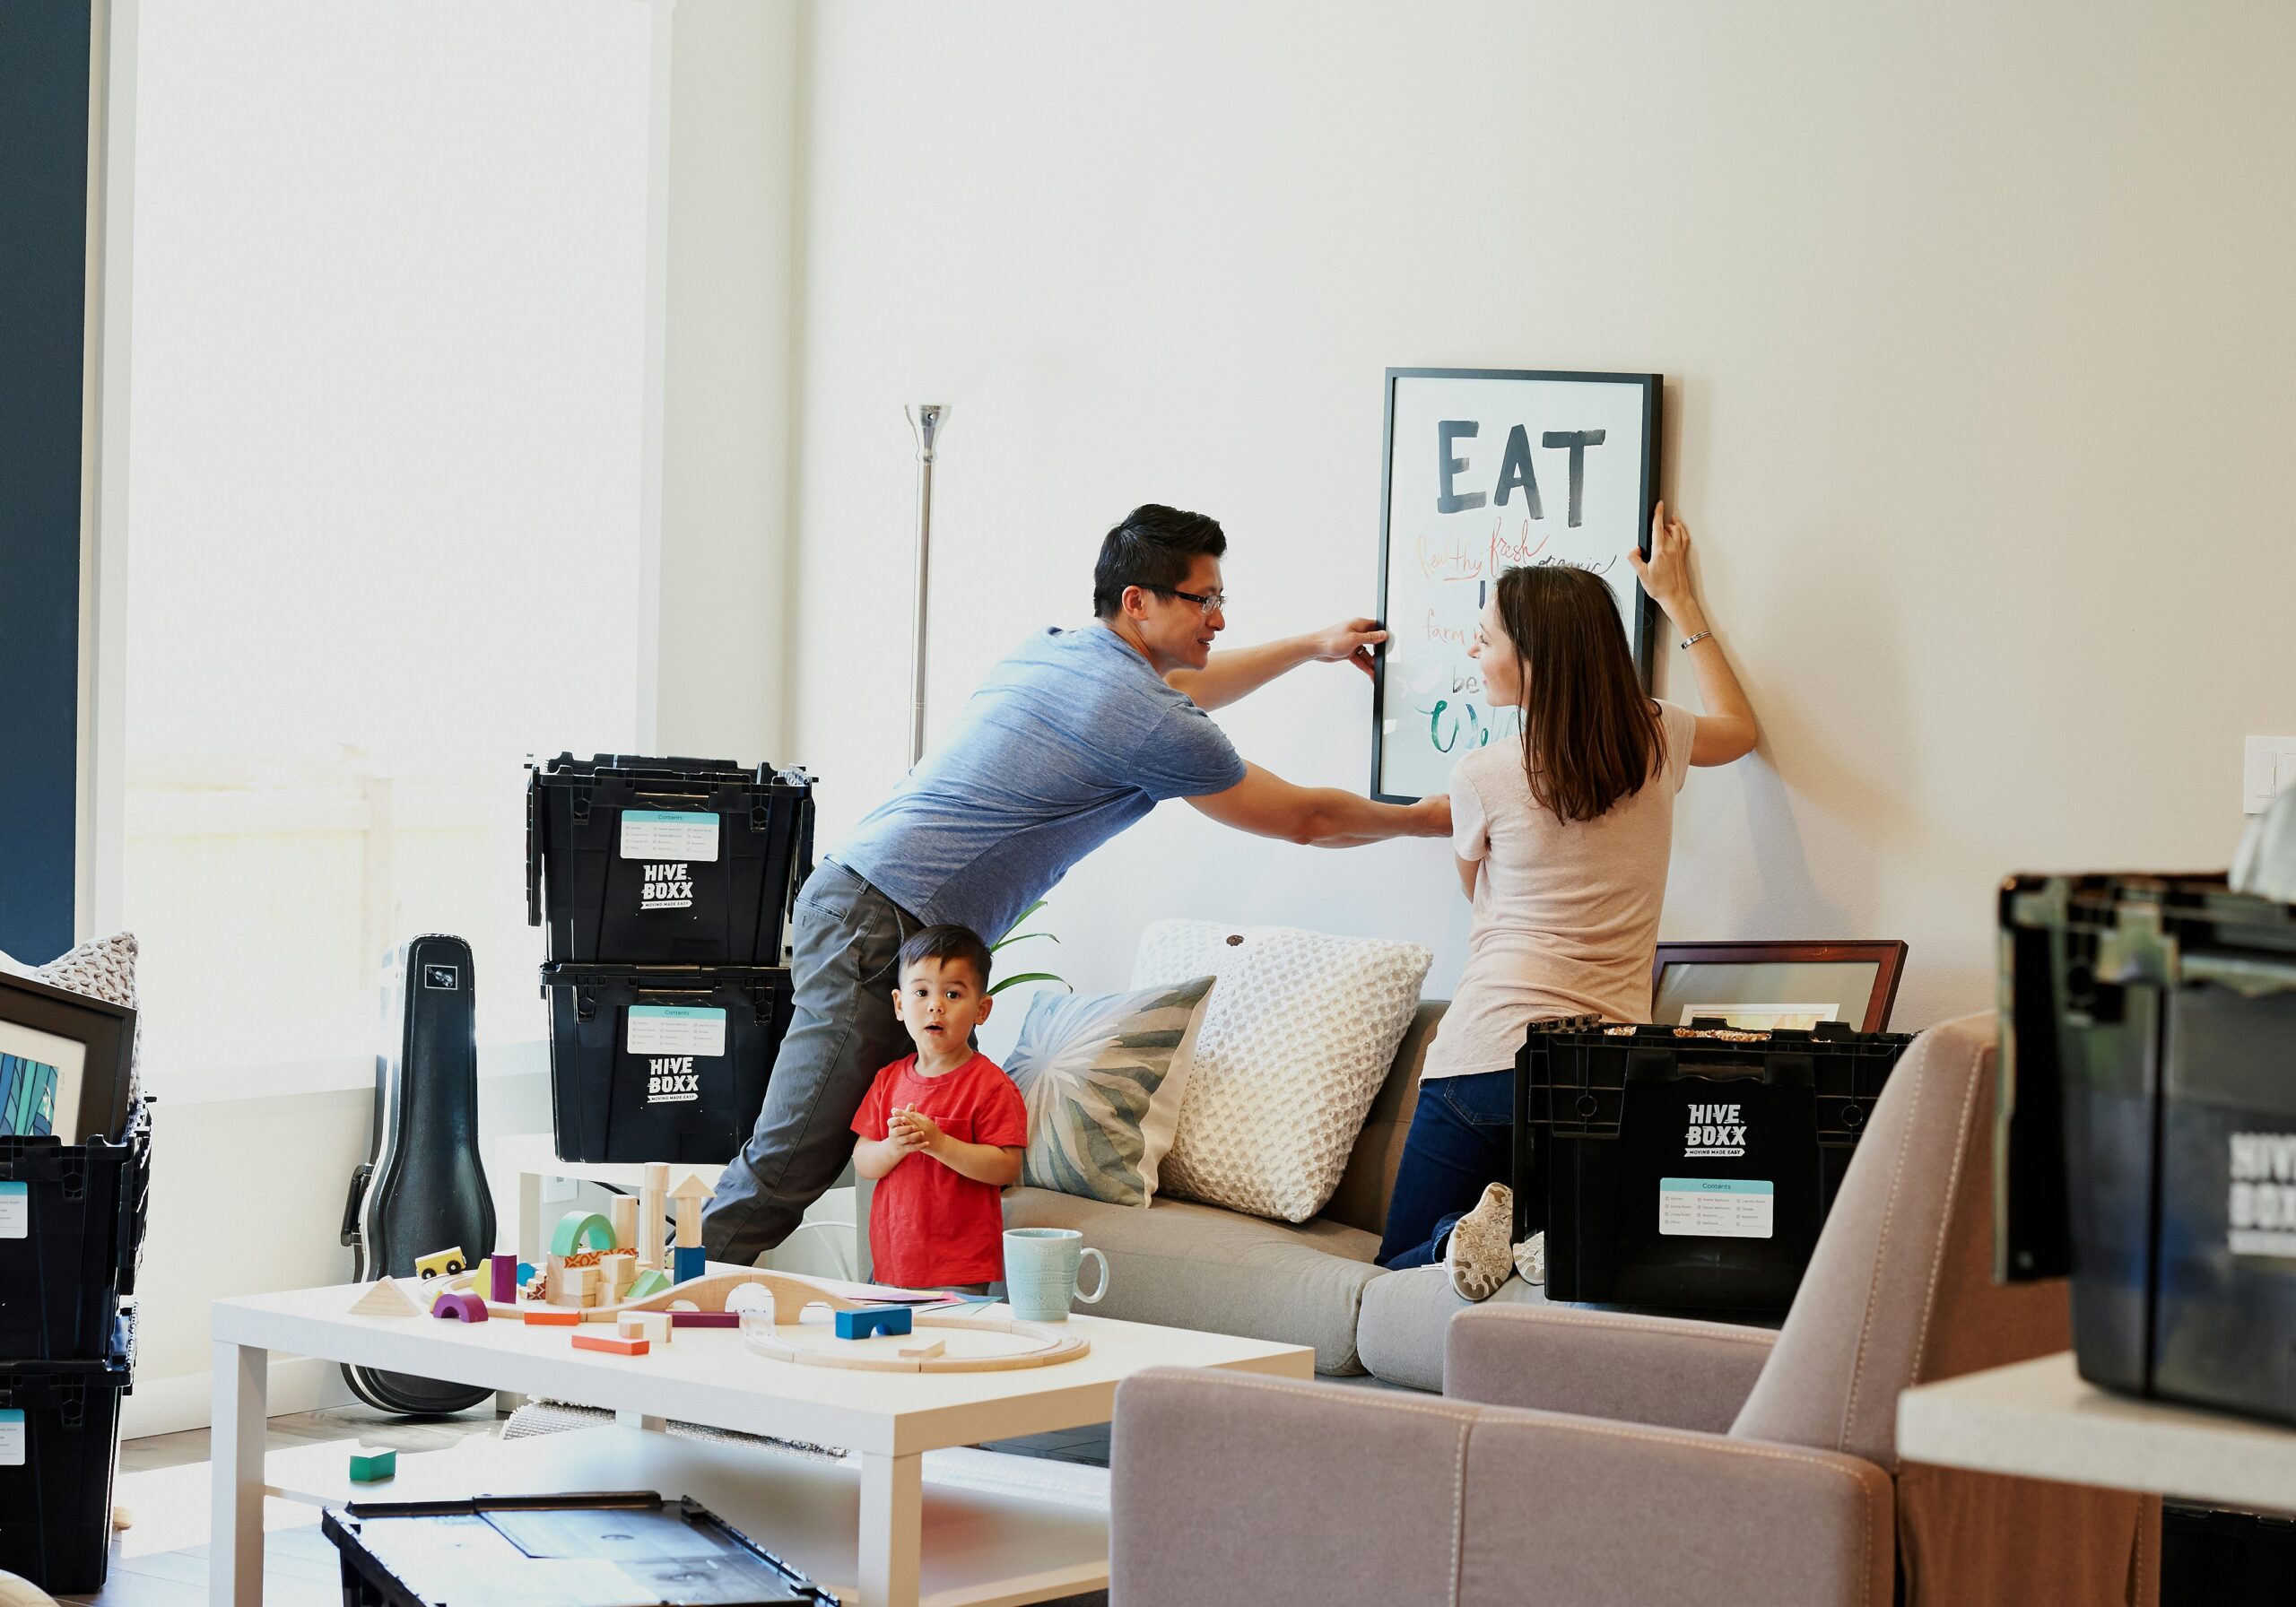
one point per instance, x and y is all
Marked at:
(666, 886)
(71, 1225)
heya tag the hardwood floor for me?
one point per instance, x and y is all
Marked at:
(299, 1565)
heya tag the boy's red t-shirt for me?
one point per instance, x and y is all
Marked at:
(928, 1223)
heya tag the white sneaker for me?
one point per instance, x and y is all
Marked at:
(1478, 1255)
(1530, 1258)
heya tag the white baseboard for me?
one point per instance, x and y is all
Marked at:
(172, 1405)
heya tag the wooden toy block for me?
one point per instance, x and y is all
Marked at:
(462, 1306)
(681, 1306)
(873, 1319)
(624, 1213)
(553, 1318)
(584, 1258)
(690, 1197)
(581, 1230)
(503, 1282)
(386, 1298)
(690, 1261)
(653, 1326)
(372, 1467)
(704, 1319)
(926, 1351)
(612, 1345)
(441, 1263)
(621, 1272)
(653, 1200)
(526, 1273)
(652, 1282)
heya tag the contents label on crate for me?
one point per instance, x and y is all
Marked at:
(15, 1211)
(676, 1029)
(12, 1438)
(668, 834)
(1715, 1207)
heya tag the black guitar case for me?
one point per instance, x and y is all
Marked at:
(423, 1188)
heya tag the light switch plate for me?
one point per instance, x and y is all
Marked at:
(2268, 767)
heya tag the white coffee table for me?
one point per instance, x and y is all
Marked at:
(706, 1375)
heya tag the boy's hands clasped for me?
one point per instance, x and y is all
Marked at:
(911, 1132)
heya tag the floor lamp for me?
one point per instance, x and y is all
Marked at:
(926, 419)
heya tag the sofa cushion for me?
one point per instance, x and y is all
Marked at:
(1405, 1315)
(1296, 1042)
(1360, 1200)
(1103, 1076)
(1186, 1265)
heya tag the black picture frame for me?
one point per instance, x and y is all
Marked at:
(106, 1033)
(1645, 632)
(1887, 955)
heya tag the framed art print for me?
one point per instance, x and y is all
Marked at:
(1766, 985)
(64, 1063)
(1488, 470)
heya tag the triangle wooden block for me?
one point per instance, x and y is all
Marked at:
(385, 1297)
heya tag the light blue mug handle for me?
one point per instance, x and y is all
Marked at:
(1094, 1297)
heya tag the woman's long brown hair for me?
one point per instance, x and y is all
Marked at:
(1590, 734)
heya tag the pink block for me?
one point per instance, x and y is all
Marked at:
(504, 1268)
(705, 1319)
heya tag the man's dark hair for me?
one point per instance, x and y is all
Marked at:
(945, 944)
(1154, 547)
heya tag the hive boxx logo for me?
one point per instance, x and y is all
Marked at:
(1714, 1130)
(2260, 1215)
(667, 887)
(671, 1080)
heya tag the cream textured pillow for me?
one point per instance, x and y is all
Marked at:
(1295, 1043)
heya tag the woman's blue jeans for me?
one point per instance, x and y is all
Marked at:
(1461, 1139)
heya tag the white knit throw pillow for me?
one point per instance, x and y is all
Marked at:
(1296, 1041)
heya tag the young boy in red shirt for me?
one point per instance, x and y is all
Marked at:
(942, 1130)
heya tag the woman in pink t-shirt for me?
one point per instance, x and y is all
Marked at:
(1562, 842)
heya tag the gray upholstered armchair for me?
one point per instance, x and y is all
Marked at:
(1579, 1457)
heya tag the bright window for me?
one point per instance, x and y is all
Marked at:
(386, 473)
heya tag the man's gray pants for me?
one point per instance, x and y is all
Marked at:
(846, 940)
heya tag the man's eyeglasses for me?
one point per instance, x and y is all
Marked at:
(1212, 602)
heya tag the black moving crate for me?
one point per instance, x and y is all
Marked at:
(660, 1063)
(71, 1224)
(632, 1549)
(1688, 1168)
(2149, 1113)
(665, 861)
(59, 1436)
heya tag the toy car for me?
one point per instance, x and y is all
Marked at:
(441, 1263)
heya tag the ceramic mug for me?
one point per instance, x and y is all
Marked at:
(1040, 1270)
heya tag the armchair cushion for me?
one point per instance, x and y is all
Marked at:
(1626, 1368)
(1483, 1506)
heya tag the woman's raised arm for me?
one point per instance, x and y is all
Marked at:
(1727, 730)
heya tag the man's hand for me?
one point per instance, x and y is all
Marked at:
(1434, 816)
(1350, 641)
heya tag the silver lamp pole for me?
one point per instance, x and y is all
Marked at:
(925, 418)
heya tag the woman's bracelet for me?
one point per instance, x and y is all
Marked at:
(1694, 640)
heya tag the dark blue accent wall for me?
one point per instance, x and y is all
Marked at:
(43, 286)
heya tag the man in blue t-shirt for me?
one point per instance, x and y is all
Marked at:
(1066, 743)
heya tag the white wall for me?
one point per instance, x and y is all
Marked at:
(1977, 329)
(726, 425)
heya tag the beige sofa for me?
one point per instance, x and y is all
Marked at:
(1186, 1266)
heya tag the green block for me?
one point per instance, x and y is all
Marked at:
(649, 1283)
(372, 1467)
(579, 1230)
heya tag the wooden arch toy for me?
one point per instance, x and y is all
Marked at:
(792, 1295)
